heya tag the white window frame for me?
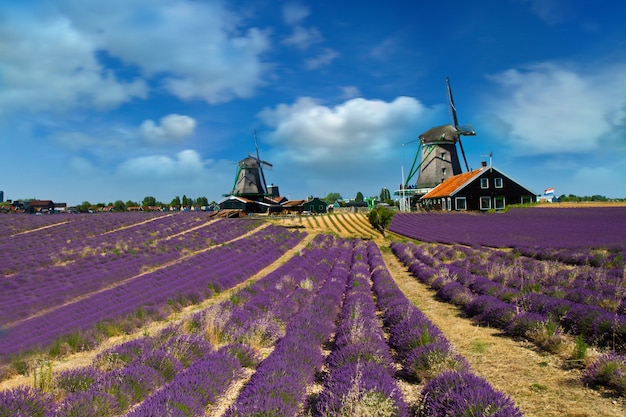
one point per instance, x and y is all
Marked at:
(458, 200)
(443, 204)
(484, 183)
(487, 199)
(498, 199)
(498, 182)
(526, 199)
(449, 204)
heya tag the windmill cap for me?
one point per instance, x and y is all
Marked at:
(445, 133)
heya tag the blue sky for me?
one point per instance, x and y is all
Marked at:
(121, 99)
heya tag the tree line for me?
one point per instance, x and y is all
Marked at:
(148, 201)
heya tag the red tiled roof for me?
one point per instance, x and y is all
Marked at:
(452, 184)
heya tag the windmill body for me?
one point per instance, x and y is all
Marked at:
(439, 159)
(250, 181)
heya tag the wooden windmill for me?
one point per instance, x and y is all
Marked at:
(437, 152)
(250, 179)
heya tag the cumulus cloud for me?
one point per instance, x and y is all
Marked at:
(350, 91)
(172, 128)
(47, 64)
(325, 58)
(59, 55)
(185, 164)
(549, 108)
(357, 130)
(201, 50)
(294, 13)
(301, 37)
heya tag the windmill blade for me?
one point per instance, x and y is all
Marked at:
(463, 153)
(455, 121)
(466, 130)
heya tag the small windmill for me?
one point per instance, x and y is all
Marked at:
(437, 152)
(250, 179)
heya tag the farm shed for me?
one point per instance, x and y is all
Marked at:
(293, 206)
(238, 203)
(315, 205)
(482, 189)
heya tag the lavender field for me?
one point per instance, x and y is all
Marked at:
(326, 333)
(561, 285)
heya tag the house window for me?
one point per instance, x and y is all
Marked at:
(443, 171)
(484, 183)
(499, 202)
(443, 156)
(460, 203)
(526, 199)
(443, 204)
(497, 182)
(449, 203)
(485, 203)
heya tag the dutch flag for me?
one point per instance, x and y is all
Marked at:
(548, 191)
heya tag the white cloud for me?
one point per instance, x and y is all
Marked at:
(58, 56)
(549, 108)
(350, 91)
(172, 128)
(302, 37)
(550, 11)
(358, 131)
(294, 13)
(325, 58)
(185, 164)
(47, 64)
(200, 49)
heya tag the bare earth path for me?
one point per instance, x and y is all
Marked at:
(535, 381)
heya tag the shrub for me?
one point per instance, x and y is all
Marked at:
(459, 394)
(609, 371)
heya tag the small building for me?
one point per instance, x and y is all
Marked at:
(482, 189)
(293, 206)
(314, 205)
(40, 206)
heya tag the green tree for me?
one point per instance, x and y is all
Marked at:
(175, 202)
(380, 219)
(84, 207)
(131, 203)
(149, 201)
(385, 195)
(202, 201)
(119, 206)
(359, 197)
(331, 198)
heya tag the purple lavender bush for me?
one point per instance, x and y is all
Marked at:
(608, 371)
(460, 394)
(25, 401)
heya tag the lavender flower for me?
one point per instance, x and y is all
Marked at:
(460, 394)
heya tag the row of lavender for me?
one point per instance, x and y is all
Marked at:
(179, 370)
(191, 280)
(521, 301)
(574, 235)
(29, 291)
(426, 355)
(295, 309)
(584, 302)
(82, 235)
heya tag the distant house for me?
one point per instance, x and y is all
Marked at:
(40, 206)
(483, 189)
(293, 206)
(314, 205)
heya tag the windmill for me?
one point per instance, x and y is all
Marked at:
(439, 159)
(250, 179)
